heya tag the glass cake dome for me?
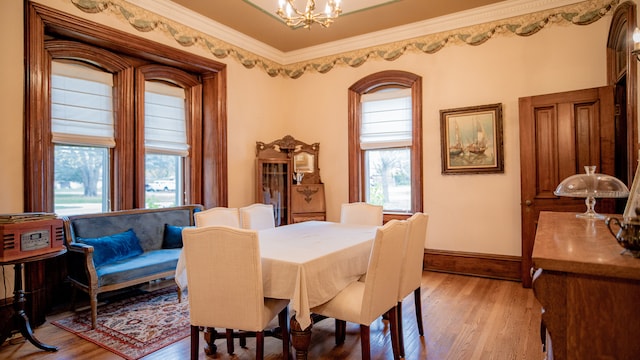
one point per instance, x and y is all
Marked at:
(591, 186)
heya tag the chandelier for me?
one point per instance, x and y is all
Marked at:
(295, 18)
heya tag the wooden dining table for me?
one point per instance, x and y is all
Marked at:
(309, 263)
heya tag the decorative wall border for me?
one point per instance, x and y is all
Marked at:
(583, 13)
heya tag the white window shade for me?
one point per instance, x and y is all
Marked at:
(81, 105)
(386, 119)
(164, 119)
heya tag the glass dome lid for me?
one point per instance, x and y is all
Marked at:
(595, 185)
(590, 186)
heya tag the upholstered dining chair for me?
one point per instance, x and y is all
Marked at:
(218, 216)
(234, 297)
(257, 217)
(411, 275)
(215, 216)
(363, 302)
(361, 213)
(211, 217)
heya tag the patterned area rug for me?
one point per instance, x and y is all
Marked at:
(135, 326)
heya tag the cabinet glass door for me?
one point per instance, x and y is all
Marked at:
(274, 177)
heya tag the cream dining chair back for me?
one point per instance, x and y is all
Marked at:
(217, 216)
(412, 269)
(211, 217)
(257, 217)
(364, 302)
(361, 213)
(234, 297)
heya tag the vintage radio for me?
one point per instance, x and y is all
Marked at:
(25, 238)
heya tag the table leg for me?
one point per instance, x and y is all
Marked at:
(20, 317)
(210, 336)
(300, 339)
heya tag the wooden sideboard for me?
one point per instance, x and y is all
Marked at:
(589, 291)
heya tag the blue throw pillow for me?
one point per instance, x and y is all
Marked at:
(172, 238)
(111, 248)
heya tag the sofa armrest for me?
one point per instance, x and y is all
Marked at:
(81, 268)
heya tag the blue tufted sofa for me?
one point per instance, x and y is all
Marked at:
(113, 250)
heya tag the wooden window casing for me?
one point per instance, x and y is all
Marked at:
(376, 82)
(121, 54)
(193, 92)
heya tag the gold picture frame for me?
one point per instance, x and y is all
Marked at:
(471, 140)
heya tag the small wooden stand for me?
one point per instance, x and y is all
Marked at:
(19, 318)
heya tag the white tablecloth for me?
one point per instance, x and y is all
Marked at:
(309, 262)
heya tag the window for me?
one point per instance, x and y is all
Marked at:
(165, 143)
(385, 142)
(119, 160)
(82, 133)
(385, 139)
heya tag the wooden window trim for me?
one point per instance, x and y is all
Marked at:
(208, 182)
(192, 86)
(374, 82)
(122, 71)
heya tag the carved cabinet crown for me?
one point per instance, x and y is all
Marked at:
(304, 157)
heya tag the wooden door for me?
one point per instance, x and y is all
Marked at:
(560, 134)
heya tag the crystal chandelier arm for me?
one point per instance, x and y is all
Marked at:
(311, 5)
(287, 16)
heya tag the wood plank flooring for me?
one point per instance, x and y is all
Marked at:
(465, 317)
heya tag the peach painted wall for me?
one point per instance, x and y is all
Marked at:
(11, 120)
(11, 103)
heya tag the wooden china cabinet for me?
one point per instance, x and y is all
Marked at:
(288, 177)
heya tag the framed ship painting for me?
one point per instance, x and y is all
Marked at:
(471, 139)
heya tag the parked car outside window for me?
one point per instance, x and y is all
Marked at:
(161, 185)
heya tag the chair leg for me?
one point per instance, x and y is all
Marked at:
(365, 342)
(283, 321)
(400, 331)
(195, 338)
(243, 339)
(341, 331)
(74, 293)
(259, 345)
(229, 335)
(393, 320)
(179, 294)
(418, 305)
(94, 309)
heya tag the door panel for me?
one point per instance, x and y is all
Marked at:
(559, 135)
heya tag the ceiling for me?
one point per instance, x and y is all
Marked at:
(257, 18)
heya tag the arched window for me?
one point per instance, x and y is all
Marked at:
(165, 133)
(130, 66)
(83, 135)
(385, 142)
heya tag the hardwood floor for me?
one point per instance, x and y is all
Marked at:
(464, 318)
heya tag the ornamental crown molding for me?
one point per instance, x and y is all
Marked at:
(473, 27)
